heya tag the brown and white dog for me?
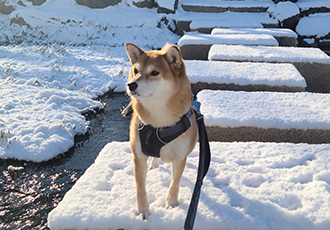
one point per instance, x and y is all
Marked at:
(160, 95)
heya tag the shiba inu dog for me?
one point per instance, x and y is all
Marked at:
(161, 99)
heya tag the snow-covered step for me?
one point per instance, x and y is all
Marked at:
(245, 76)
(266, 116)
(248, 186)
(220, 6)
(205, 22)
(312, 63)
(197, 45)
(284, 37)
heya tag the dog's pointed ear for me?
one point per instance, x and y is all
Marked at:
(133, 52)
(173, 56)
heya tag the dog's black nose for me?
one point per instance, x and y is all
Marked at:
(132, 86)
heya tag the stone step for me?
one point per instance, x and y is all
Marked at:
(284, 37)
(312, 63)
(248, 186)
(197, 46)
(205, 22)
(266, 116)
(245, 76)
(220, 6)
(308, 7)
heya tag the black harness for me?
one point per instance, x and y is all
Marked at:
(153, 139)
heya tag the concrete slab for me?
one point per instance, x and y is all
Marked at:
(191, 21)
(249, 186)
(285, 37)
(266, 116)
(197, 46)
(245, 76)
(312, 63)
(223, 6)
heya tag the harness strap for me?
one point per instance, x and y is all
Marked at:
(153, 139)
(168, 134)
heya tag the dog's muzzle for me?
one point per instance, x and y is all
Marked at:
(132, 86)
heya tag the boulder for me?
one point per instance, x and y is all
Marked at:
(5, 9)
(98, 4)
(287, 13)
(37, 2)
(145, 4)
(277, 1)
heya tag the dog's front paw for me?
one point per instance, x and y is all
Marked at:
(172, 205)
(154, 163)
(145, 214)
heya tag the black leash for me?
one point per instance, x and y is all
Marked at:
(203, 166)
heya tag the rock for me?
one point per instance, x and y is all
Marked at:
(37, 2)
(20, 21)
(287, 13)
(98, 4)
(145, 4)
(168, 23)
(291, 22)
(277, 1)
(315, 10)
(167, 6)
(4, 9)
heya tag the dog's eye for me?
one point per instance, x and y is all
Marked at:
(136, 71)
(154, 73)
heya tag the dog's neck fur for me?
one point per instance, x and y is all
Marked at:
(162, 112)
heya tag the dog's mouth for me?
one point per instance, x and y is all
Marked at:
(134, 94)
(138, 95)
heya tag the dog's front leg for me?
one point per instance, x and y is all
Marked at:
(140, 174)
(173, 193)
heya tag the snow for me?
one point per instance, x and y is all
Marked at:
(265, 109)
(306, 26)
(244, 73)
(248, 186)
(40, 123)
(233, 39)
(57, 21)
(53, 66)
(283, 10)
(283, 32)
(267, 53)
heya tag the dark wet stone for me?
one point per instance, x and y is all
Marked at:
(98, 4)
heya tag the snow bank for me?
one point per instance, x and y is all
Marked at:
(231, 39)
(64, 55)
(265, 109)
(307, 26)
(65, 21)
(38, 124)
(92, 70)
(263, 53)
(249, 186)
(244, 73)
